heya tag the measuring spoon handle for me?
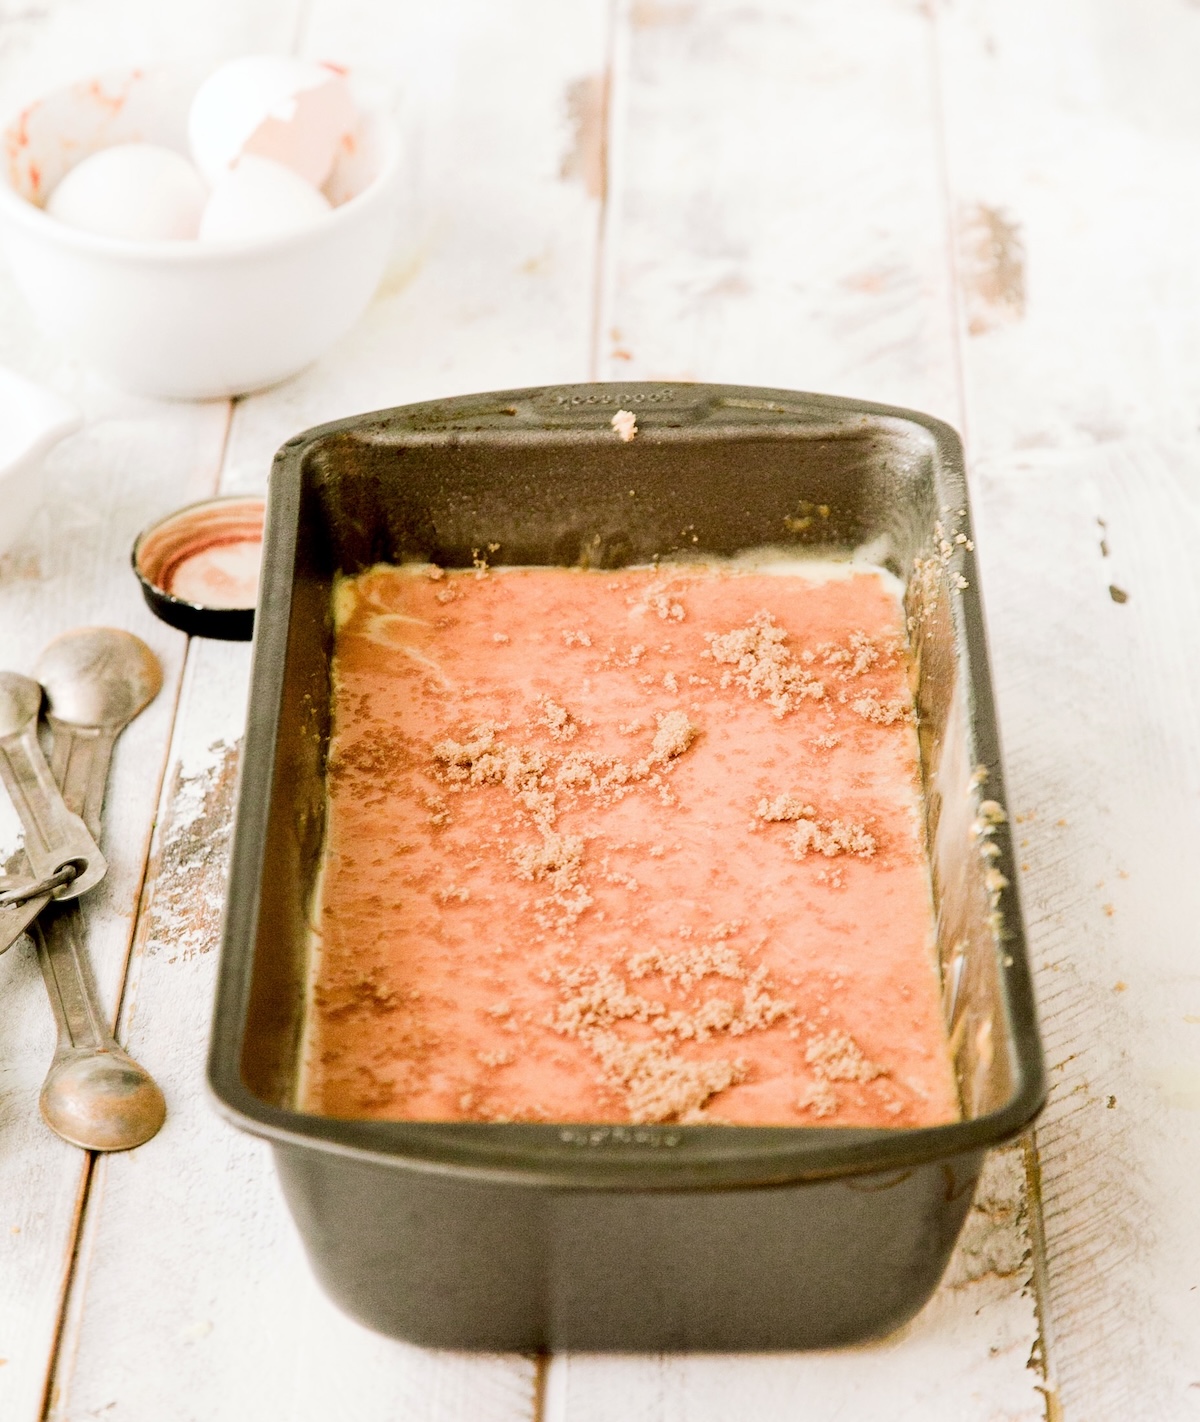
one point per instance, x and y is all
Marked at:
(95, 1095)
(54, 836)
(79, 762)
(58, 937)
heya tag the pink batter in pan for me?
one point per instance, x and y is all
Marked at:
(625, 847)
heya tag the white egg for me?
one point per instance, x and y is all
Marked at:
(294, 111)
(136, 190)
(259, 198)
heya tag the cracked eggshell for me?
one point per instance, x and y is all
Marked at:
(141, 191)
(294, 111)
(259, 198)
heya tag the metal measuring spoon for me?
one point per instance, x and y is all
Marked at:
(64, 858)
(23, 898)
(97, 679)
(54, 835)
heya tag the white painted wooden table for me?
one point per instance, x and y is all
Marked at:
(987, 209)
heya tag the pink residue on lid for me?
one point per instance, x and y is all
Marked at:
(221, 575)
(207, 554)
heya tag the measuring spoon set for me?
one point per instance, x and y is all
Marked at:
(90, 683)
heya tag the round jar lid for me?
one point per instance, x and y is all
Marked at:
(199, 567)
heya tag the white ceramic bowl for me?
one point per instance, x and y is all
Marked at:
(189, 320)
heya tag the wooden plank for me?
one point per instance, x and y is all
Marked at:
(191, 1298)
(1073, 134)
(1101, 717)
(778, 216)
(777, 213)
(133, 461)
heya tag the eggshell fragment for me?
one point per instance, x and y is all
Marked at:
(259, 198)
(294, 111)
(136, 190)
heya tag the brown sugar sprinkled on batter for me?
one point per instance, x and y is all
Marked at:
(484, 760)
(540, 900)
(658, 598)
(688, 966)
(759, 1007)
(674, 735)
(763, 664)
(556, 859)
(818, 1098)
(784, 807)
(858, 654)
(558, 719)
(836, 1056)
(659, 1085)
(883, 713)
(593, 997)
(829, 837)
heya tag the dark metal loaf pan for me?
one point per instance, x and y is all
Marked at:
(601, 1237)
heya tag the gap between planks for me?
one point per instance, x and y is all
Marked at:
(950, 227)
(612, 92)
(75, 1235)
(541, 1372)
